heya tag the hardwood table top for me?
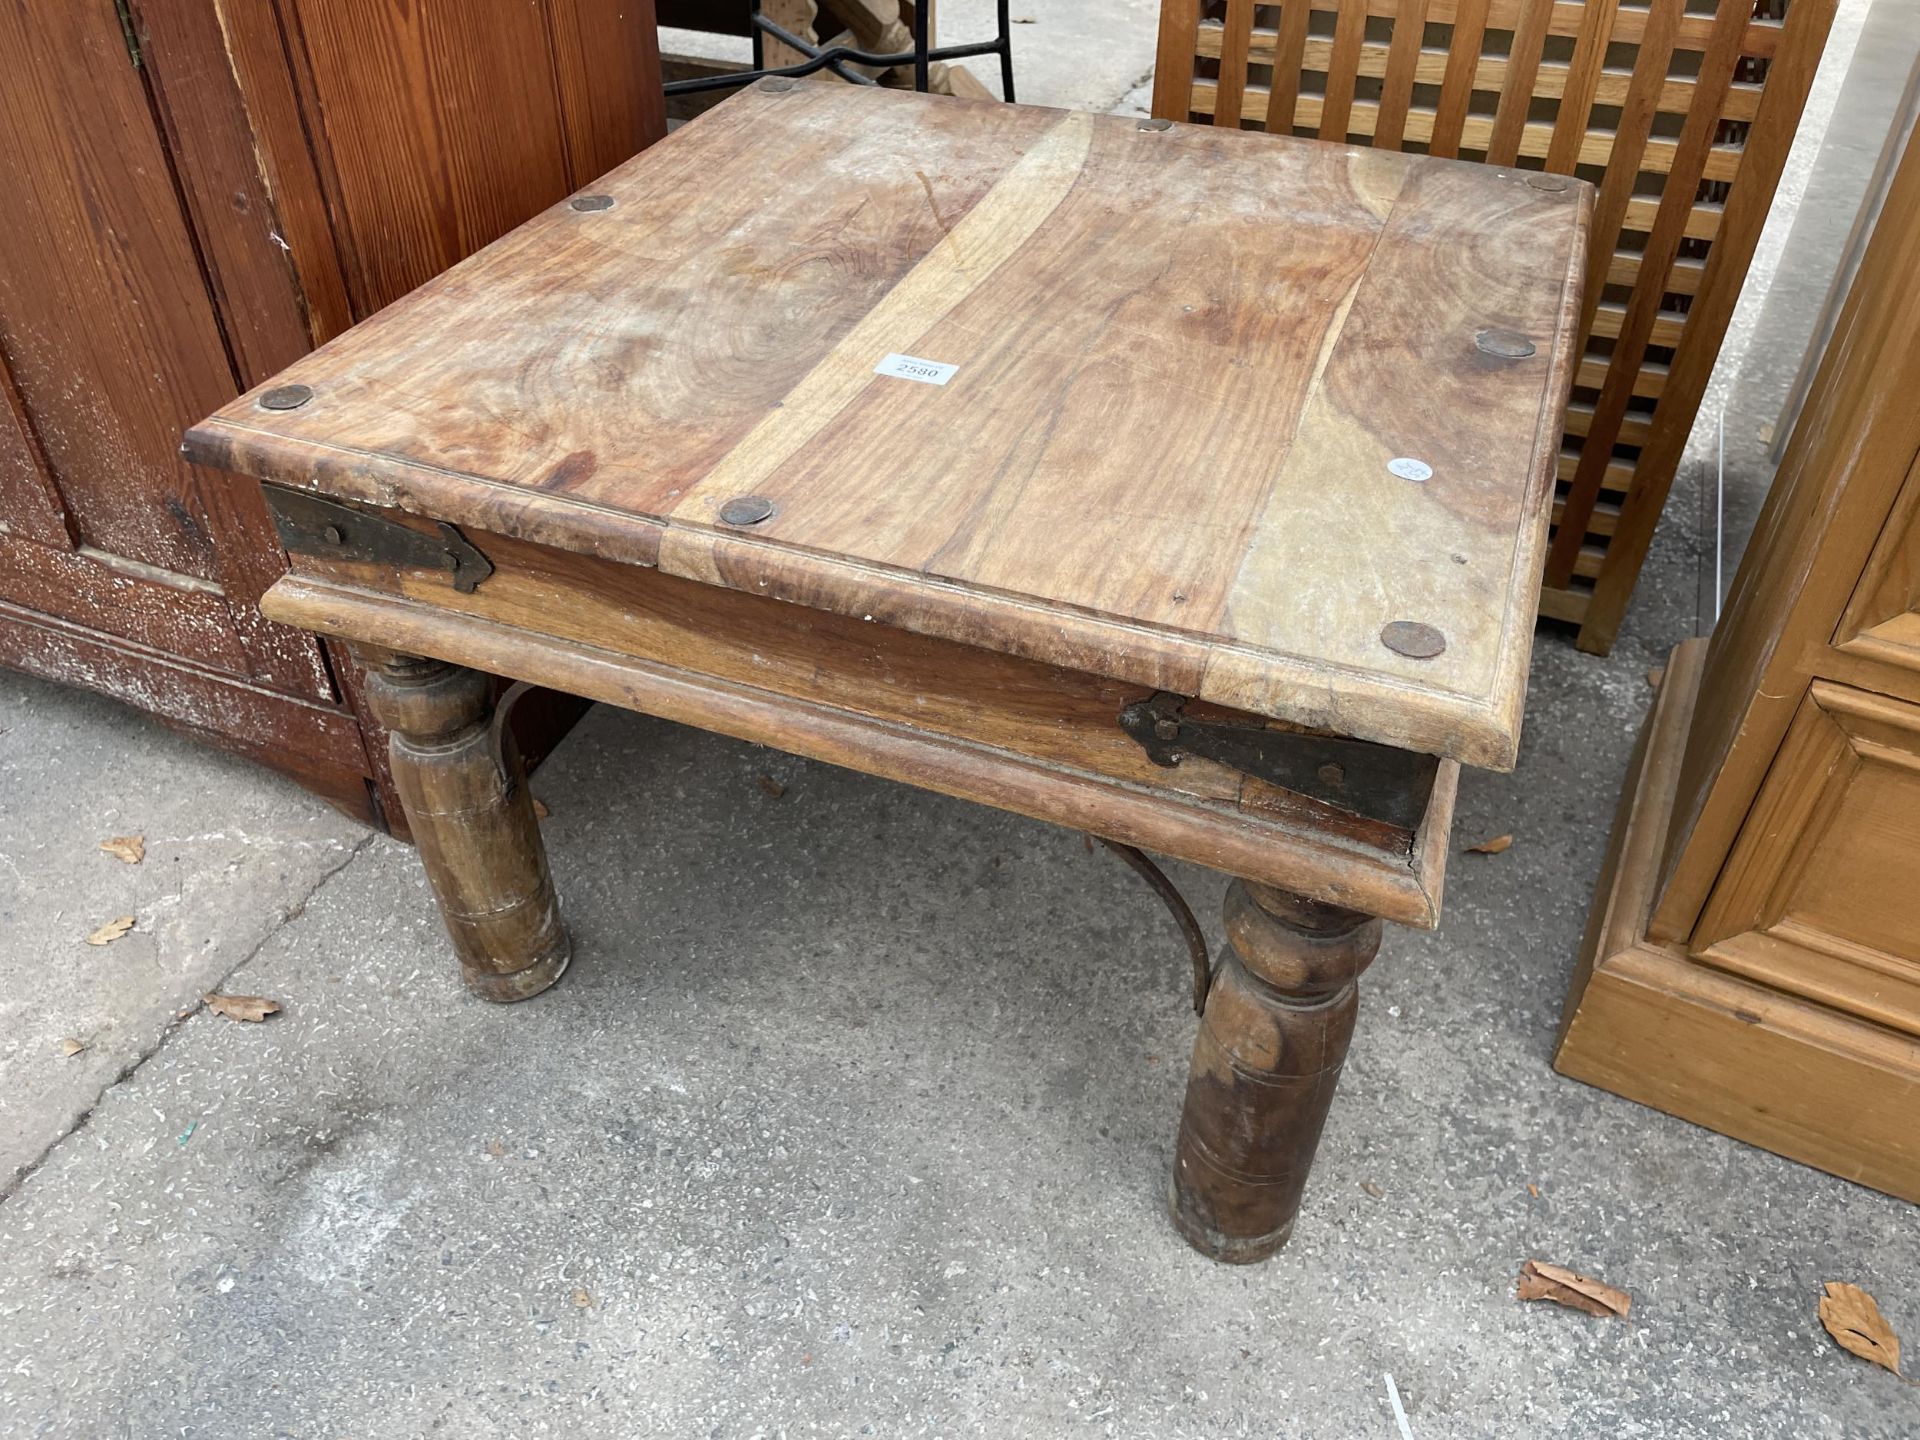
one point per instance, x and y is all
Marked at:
(1259, 420)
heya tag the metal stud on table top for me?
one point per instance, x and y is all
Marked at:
(746, 510)
(1413, 639)
(285, 397)
(1503, 344)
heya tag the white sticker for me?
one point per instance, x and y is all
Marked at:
(911, 367)
(1407, 468)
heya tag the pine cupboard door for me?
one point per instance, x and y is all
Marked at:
(193, 194)
(1819, 897)
(110, 344)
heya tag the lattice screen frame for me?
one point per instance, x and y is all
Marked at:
(1682, 111)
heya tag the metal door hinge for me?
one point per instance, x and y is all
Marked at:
(1377, 782)
(314, 525)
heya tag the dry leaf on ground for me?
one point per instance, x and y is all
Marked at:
(540, 809)
(1491, 847)
(1541, 1281)
(1854, 1320)
(772, 786)
(583, 1299)
(253, 1008)
(70, 1047)
(130, 848)
(111, 931)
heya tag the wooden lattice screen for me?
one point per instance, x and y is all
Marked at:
(1682, 112)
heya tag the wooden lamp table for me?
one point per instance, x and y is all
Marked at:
(1182, 486)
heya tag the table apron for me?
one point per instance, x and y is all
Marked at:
(1404, 889)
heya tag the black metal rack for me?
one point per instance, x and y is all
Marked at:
(835, 58)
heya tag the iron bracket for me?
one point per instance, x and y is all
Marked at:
(1182, 913)
(1376, 782)
(315, 525)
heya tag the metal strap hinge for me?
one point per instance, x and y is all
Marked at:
(1376, 782)
(315, 525)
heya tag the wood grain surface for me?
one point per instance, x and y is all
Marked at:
(1681, 112)
(1184, 359)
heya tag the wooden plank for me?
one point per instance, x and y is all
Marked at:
(1340, 430)
(1682, 277)
(1042, 712)
(1460, 64)
(159, 608)
(1619, 476)
(411, 193)
(606, 68)
(964, 83)
(1580, 84)
(1232, 83)
(1633, 426)
(29, 499)
(1568, 605)
(1173, 59)
(1335, 108)
(1703, 219)
(235, 213)
(1477, 132)
(107, 330)
(1282, 112)
(1516, 94)
(257, 53)
(1761, 40)
(1648, 379)
(1457, 82)
(1396, 91)
(796, 17)
(1047, 501)
(1668, 326)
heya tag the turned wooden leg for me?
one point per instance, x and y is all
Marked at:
(465, 793)
(1272, 1041)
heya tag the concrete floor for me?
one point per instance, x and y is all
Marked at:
(853, 1118)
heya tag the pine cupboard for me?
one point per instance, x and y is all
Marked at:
(197, 193)
(1752, 960)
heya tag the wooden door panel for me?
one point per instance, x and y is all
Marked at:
(1818, 897)
(607, 68)
(198, 191)
(110, 345)
(104, 319)
(382, 71)
(29, 505)
(193, 74)
(180, 614)
(1882, 620)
